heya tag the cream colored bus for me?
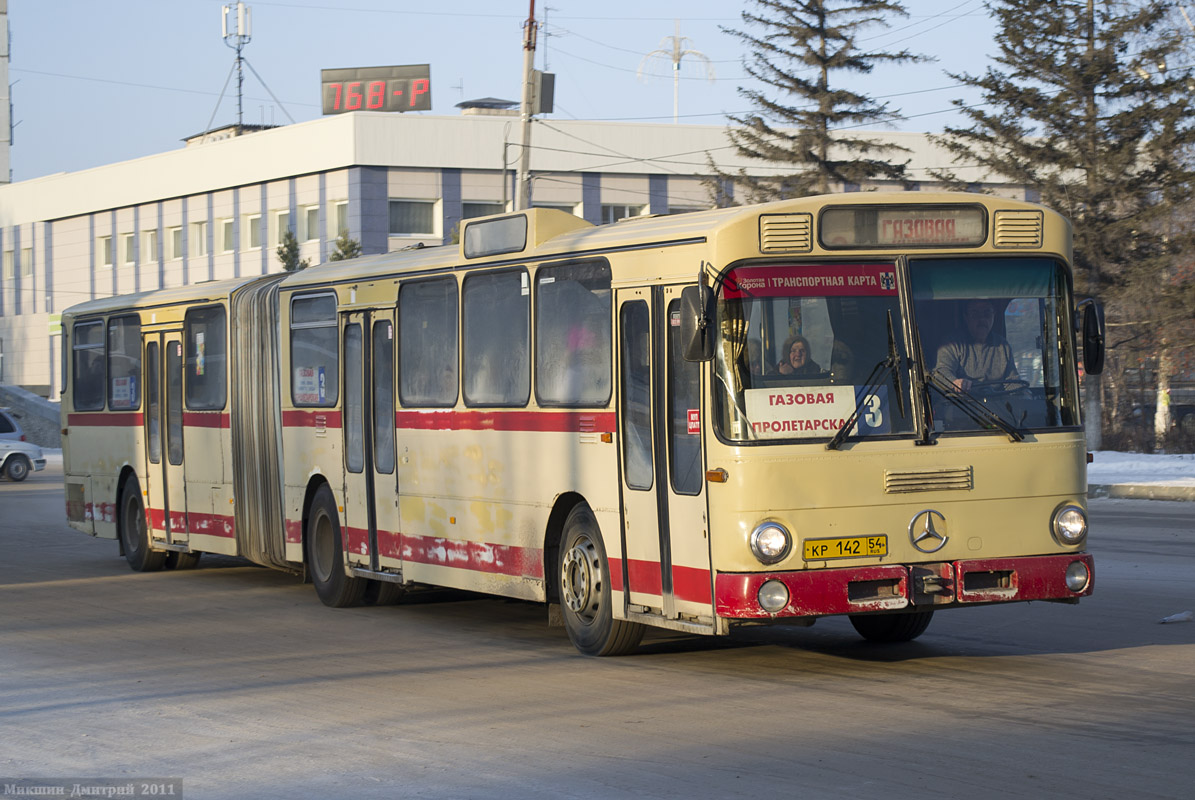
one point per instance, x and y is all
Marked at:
(861, 405)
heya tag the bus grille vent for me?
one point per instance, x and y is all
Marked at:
(1019, 229)
(929, 480)
(785, 233)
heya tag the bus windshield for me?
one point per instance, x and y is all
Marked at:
(801, 346)
(995, 332)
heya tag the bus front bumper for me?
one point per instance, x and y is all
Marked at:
(856, 590)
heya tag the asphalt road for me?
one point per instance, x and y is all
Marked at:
(237, 680)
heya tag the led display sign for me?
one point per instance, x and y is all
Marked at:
(847, 227)
(403, 88)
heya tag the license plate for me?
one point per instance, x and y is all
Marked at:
(848, 547)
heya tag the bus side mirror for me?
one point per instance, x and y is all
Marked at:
(1091, 329)
(697, 323)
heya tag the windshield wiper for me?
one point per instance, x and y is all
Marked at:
(973, 407)
(891, 364)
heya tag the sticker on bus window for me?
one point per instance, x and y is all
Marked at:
(694, 421)
(124, 390)
(309, 388)
(808, 412)
(199, 353)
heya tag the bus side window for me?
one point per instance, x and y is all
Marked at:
(635, 382)
(124, 363)
(496, 309)
(427, 343)
(88, 356)
(314, 351)
(573, 350)
(207, 378)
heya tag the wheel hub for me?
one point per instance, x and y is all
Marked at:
(577, 581)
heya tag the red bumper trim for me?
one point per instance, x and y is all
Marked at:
(824, 592)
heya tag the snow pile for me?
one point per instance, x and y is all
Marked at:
(1167, 470)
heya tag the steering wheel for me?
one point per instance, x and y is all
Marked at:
(1008, 386)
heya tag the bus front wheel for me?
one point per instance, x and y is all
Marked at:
(134, 537)
(325, 555)
(584, 573)
(903, 627)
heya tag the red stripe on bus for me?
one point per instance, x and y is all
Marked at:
(294, 531)
(106, 420)
(220, 525)
(311, 419)
(688, 583)
(499, 559)
(206, 419)
(534, 421)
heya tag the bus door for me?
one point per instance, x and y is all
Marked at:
(665, 535)
(166, 497)
(371, 532)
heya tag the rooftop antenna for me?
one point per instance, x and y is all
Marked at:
(237, 35)
(673, 47)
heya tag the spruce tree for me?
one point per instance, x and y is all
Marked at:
(288, 253)
(799, 49)
(1081, 108)
(346, 247)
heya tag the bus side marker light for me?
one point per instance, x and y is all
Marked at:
(773, 596)
(607, 438)
(718, 475)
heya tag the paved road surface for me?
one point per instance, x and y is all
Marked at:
(236, 679)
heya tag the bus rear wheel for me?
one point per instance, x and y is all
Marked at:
(325, 555)
(177, 560)
(134, 536)
(585, 600)
(902, 627)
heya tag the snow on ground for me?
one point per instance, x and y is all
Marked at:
(1167, 470)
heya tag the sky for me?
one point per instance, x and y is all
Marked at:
(96, 82)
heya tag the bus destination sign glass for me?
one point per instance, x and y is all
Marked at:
(401, 88)
(856, 227)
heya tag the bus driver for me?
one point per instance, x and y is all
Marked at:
(979, 355)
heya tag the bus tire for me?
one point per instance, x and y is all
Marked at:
(888, 628)
(584, 573)
(383, 593)
(16, 468)
(325, 555)
(177, 560)
(134, 537)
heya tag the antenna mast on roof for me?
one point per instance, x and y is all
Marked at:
(237, 35)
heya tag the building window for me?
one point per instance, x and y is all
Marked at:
(311, 223)
(412, 217)
(252, 231)
(228, 241)
(176, 242)
(149, 245)
(342, 218)
(199, 238)
(480, 209)
(27, 261)
(8, 265)
(128, 243)
(613, 213)
(104, 251)
(282, 220)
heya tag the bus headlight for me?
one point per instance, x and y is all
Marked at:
(1070, 525)
(770, 542)
(773, 596)
(1077, 576)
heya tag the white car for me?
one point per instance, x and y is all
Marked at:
(18, 459)
(10, 429)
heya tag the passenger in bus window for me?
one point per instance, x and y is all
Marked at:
(978, 356)
(795, 359)
(842, 362)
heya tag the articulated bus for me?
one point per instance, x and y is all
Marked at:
(848, 405)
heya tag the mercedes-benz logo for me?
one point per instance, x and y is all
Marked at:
(924, 535)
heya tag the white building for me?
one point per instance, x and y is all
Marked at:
(215, 208)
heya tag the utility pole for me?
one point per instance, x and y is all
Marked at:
(523, 195)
